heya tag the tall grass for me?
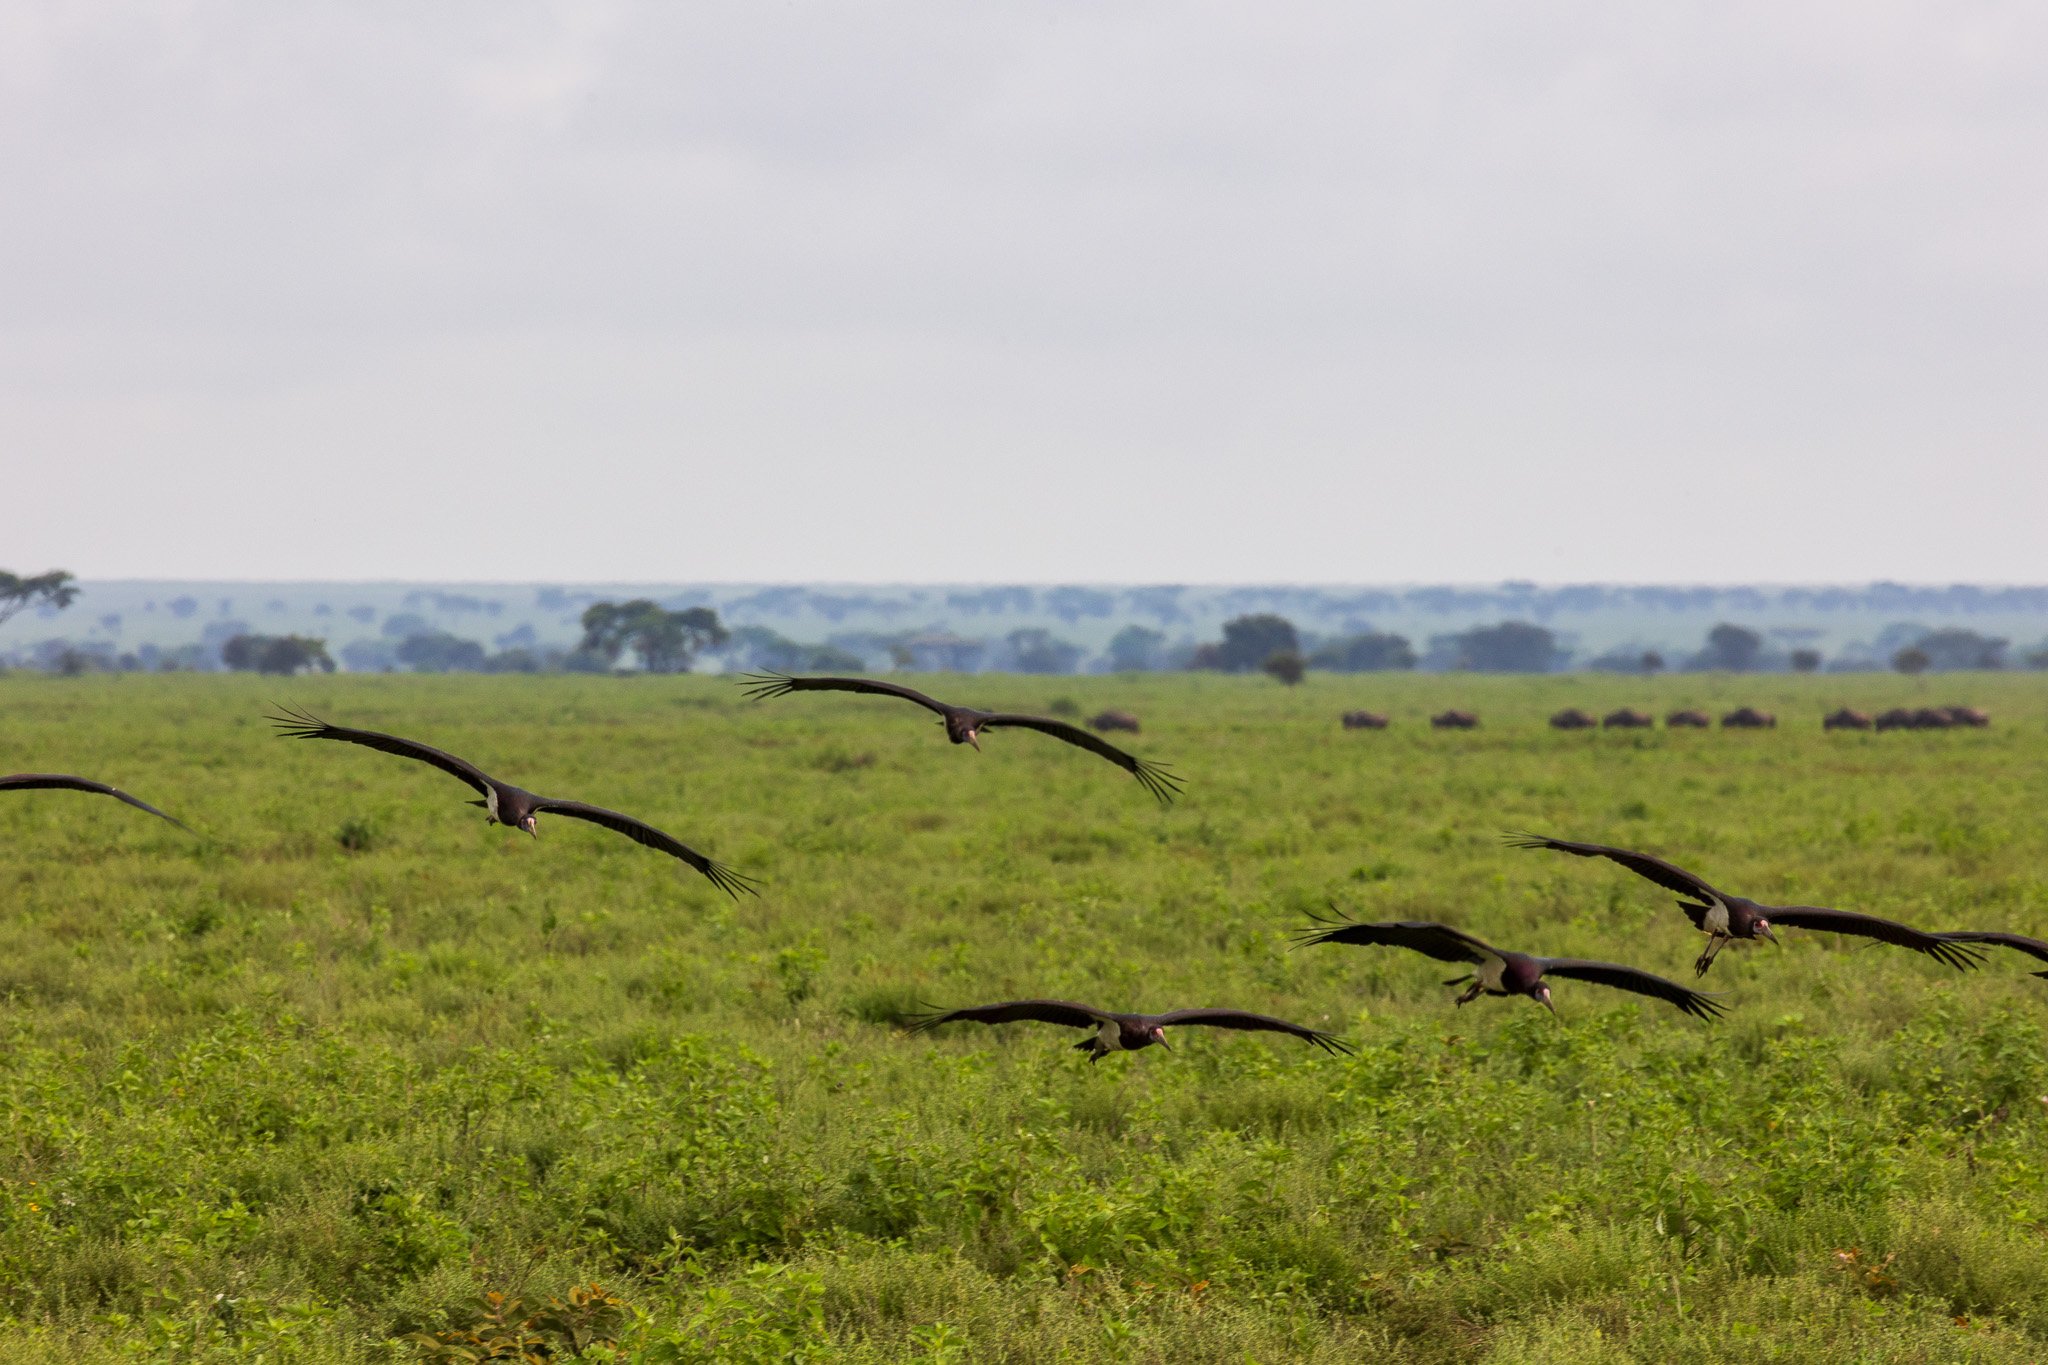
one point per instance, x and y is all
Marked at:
(310, 1086)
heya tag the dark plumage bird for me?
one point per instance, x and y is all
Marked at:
(66, 782)
(1123, 1032)
(1500, 972)
(964, 724)
(1723, 917)
(505, 804)
(2033, 947)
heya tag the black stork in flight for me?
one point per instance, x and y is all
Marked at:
(1123, 1032)
(66, 782)
(964, 724)
(1500, 972)
(505, 804)
(1724, 918)
(2033, 947)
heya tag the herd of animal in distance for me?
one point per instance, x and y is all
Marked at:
(1722, 916)
(1741, 718)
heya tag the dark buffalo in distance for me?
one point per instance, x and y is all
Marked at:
(1845, 719)
(1628, 718)
(1455, 720)
(1114, 720)
(1924, 718)
(1688, 720)
(1364, 720)
(1749, 718)
(1572, 718)
(1968, 716)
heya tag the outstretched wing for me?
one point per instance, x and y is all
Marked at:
(66, 782)
(763, 685)
(1668, 875)
(1260, 1023)
(299, 725)
(1063, 1012)
(640, 832)
(1427, 937)
(1629, 979)
(2034, 947)
(1156, 779)
(1941, 947)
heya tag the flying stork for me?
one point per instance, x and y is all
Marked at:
(1123, 1032)
(66, 782)
(964, 724)
(505, 804)
(1724, 918)
(1497, 971)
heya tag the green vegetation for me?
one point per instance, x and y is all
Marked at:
(353, 1077)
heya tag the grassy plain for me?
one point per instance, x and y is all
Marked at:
(315, 1081)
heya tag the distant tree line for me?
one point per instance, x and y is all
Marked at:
(677, 635)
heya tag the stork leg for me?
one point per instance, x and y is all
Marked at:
(1471, 992)
(1706, 958)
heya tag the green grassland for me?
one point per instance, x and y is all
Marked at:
(313, 1082)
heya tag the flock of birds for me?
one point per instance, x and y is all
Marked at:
(1722, 916)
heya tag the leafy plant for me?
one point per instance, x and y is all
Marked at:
(506, 1327)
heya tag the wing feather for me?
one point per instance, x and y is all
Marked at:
(1262, 1023)
(1670, 876)
(1154, 776)
(1064, 1012)
(299, 725)
(2033, 947)
(1427, 937)
(640, 832)
(1630, 979)
(1942, 948)
(760, 686)
(67, 782)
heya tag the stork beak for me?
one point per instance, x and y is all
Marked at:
(974, 738)
(1159, 1037)
(1763, 926)
(1545, 998)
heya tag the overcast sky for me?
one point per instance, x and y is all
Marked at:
(1029, 291)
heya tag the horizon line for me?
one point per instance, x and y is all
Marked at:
(1382, 584)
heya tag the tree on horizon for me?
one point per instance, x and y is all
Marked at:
(57, 589)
